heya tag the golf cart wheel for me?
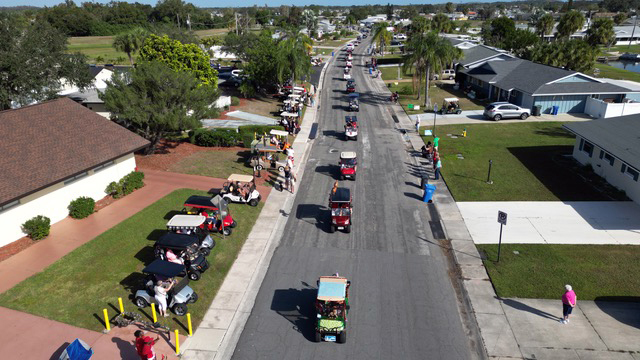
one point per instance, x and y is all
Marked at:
(459, 112)
(497, 117)
(342, 337)
(332, 229)
(355, 138)
(353, 177)
(194, 275)
(141, 302)
(253, 202)
(259, 167)
(342, 177)
(318, 336)
(226, 231)
(524, 116)
(281, 168)
(347, 229)
(180, 309)
(193, 298)
(233, 224)
(205, 251)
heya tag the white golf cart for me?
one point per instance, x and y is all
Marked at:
(240, 189)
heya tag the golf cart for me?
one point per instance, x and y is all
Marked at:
(196, 226)
(180, 294)
(240, 189)
(332, 306)
(347, 73)
(341, 208)
(197, 205)
(185, 247)
(354, 103)
(451, 106)
(348, 165)
(351, 128)
(266, 157)
(351, 86)
(349, 64)
(349, 57)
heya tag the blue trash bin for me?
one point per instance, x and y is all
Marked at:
(428, 193)
(555, 109)
(370, 70)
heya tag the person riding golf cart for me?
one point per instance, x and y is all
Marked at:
(348, 165)
(332, 306)
(341, 209)
(351, 128)
(183, 249)
(178, 297)
(354, 103)
(349, 64)
(450, 106)
(347, 73)
(266, 157)
(349, 57)
(351, 86)
(211, 206)
(240, 189)
(197, 226)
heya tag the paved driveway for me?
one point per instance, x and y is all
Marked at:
(554, 222)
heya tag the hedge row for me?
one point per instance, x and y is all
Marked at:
(126, 185)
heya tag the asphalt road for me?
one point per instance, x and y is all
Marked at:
(403, 303)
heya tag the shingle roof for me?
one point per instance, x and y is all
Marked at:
(46, 143)
(478, 53)
(619, 136)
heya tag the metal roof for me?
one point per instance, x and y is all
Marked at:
(619, 136)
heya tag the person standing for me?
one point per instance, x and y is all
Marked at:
(438, 165)
(144, 345)
(436, 140)
(161, 296)
(418, 124)
(569, 300)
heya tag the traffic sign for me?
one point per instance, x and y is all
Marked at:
(502, 217)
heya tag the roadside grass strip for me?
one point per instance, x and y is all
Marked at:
(76, 288)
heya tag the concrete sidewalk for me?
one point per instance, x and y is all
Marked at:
(476, 117)
(222, 325)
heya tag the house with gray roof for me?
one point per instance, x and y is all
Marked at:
(478, 55)
(529, 84)
(612, 148)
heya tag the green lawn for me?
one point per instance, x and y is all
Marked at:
(608, 71)
(98, 46)
(437, 95)
(391, 74)
(334, 43)
(531, 162)
(542, 270)
(217, 164)
(76, 288)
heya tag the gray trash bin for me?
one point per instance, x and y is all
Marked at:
(537, 110)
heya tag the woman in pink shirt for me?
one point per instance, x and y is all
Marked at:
(568, 303)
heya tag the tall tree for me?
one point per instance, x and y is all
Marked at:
(310, 21)
(34, 63)
(601, 33)
(419, 25)
(449, 7)
(130, 42)
(574, 54)
(497, 31)
(389, 11)
(154, 100)
(441, 23)
(293, 56)
(620, 18)
(180, 57)
(544, 25)
(569, 23)
(428, 54)
(381, 36)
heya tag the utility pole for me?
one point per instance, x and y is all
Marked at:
(178, 19)
(189, 21)
(635, 20)
(236, 14)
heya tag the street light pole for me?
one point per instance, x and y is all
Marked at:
(489, 174)
(635, 21)
(435, 114)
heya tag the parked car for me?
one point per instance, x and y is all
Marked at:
(400, 37)
(446, 74)
(505, 110)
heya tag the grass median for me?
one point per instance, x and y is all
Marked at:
(76, 288)
(596, 272)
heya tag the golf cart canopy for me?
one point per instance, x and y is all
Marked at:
(291, 101)
(177, 241)
(449, 100)
(332, 288)
(200, 201)
(298, 88)
(286, 113)
(347, 155)
(342, 195)
(294, 96)
(187, 221)
(260, 147)
(354, 95)
(163, 268)
(240, 178)
(278, 132)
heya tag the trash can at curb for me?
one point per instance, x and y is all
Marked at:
(424, 181)
(537, 110)
(428, 193)
(555, 109)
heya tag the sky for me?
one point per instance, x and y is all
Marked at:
(244, 3)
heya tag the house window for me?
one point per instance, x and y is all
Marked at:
(607, 157)
(9, 205)
(103, 166)
(630, 172)
(75, 178)
(586, 147)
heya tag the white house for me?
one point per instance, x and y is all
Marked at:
(53, 153)
(100, 76)
(612, 148)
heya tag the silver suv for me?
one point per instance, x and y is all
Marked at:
(504, 110)
(446, 74)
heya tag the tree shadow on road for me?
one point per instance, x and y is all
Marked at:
(297, 307)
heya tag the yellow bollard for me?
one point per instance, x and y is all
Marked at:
(153, 311)
(106, 319)
(189, 324)
(177, 342)
(464, 133)
(121, 306)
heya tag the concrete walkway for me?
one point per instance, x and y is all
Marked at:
(476, 117)
(264, 120)
(554, 222)
(527, 328)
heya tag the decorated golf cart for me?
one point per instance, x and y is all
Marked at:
(348, 165)
(451, 106)
(351, 127)
(354, 103)
(351, 86)
(180, 294)
(182, 249)
(267, 156)
(341, 209)
(240, 189)
(210, 207)
(347, 73)
(197, 226)
(332, 306)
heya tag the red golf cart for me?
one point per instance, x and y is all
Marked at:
(201, 205)
(341, 209)
(348, 165)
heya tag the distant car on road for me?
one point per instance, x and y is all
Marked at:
(505, 110)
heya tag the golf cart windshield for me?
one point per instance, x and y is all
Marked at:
(341, 211)
(349, 162)
(163, 268)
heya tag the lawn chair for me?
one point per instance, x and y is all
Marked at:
(77, 350)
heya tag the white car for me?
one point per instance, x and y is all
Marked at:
(446, 74)
(400, 37)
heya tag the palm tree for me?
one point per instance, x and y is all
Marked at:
(130, 42)
(429, 54)
(569, 23)
(544, 25)
(381, 35)
(601, 32)
(293, 55)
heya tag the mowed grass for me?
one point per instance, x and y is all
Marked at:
(540, 271)
(531, 162)
(215, 163)
(436, 93)
(76, 288)
(610, 72)
(98, 46)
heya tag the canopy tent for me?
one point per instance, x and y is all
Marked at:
(288, 114)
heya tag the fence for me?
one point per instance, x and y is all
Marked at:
(601, 109)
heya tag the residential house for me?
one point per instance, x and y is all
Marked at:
(477, 55)
(530, 84)
(612, 148)
(53, 153)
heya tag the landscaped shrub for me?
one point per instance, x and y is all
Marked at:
(405, 90)
(235, 101)
(214, 137)
(248, 132)
(82, 207)
(126, 185)
(37, 227)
